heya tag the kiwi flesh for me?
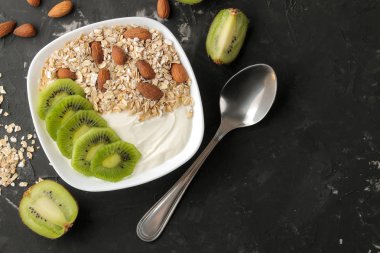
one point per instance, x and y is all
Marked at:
(62, 111)
(55, 92)
(114, 161)
(48, 209)
(86, 146)
(75, 127)
(226, 35)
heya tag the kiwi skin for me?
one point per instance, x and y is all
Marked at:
(62, 111)
(54, 92)
(58, 205)
(115, 161)
(80, 122)
(87, 145)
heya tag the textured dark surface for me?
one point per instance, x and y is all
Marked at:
(304, 180)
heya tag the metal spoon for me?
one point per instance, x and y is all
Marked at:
(244, 101)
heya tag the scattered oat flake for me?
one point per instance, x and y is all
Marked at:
(5, 114)
(12, 153)
(23, 184)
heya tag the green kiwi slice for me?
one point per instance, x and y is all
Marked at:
(75, 127)
(62, 111)
(54, 92)
(86, 146)
(114, 161)
(48, 209)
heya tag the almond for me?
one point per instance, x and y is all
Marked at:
(97, 52)
(61, 9)
(118, 55)
(163, 8)
(145, 69)
(34, 3)
(66, 73)
(103, 76)
(25, 31)
(179, 73)
(138, 32)
(6, 28)
(149, 91)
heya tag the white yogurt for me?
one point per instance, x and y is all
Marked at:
(158, 139)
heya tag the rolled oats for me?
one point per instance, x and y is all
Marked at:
(120, 92)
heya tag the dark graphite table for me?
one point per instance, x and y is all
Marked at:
(304, 180)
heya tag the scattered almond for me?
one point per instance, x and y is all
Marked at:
(25, 31)
(138, 32)
(6, 28)
(103, 76)
(149, 91)
(61, 9)
(66, 73)
(163, 8)
(97, 52)
(145, 69)
(179, 73)
(118, 55)
(34, 3)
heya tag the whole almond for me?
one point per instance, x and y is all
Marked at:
(149, 91)
(25, 31)
(118, 55)
(163, 8)
(6, 28)
(61, 9)
(138, 32)
(66, 73)
(179, 73)
(34, 3)
(97, 52)
(145, 69)
(103, 76)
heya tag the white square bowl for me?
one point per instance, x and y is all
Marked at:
(61, 164)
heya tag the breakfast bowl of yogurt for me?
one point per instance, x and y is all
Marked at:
(138, 80)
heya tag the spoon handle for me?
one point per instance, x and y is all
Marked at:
(154, 221)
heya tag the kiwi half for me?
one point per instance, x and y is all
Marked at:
(48, 209)
(114, 161)
(54, 92)
(86, 146)
(226, 35)
(62, 111)
(75, 127)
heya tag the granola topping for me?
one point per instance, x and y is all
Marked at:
(120, 92)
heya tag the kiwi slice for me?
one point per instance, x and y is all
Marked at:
(48, 209)
(54, 92)
(62, 111)
(75, 127)
(86, 146)
(114, 161)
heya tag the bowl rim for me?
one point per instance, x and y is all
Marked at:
(179, 159)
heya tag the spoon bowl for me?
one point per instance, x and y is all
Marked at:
(248, 95)
(244, 101)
